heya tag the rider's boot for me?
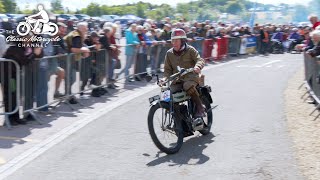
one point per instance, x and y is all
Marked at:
(195, 97)
(200, 109)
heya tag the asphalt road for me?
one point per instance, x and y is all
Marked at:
(249, 140)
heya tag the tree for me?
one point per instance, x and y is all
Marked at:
(9, 6)
(155, 14)
(234, 7)
(2, 10)
(140, 10)
(93, 9)
(56, 6)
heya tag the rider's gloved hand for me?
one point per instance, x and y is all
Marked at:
(197, 70)
(161, 82)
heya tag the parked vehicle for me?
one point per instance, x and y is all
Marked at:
(82, 17)
(109, 18)
(68, 17)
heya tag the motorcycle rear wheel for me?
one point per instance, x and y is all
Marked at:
(207, 119)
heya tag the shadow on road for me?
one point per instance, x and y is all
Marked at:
(191, 153)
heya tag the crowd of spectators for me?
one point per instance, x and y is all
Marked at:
(143, 40)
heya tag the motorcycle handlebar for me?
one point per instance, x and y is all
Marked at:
(179, 74)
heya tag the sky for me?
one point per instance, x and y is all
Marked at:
(79, 4)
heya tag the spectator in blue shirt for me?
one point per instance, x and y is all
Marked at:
(131, 50)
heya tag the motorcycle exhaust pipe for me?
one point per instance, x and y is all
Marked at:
(212, 108)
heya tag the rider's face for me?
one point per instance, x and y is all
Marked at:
(176, 43)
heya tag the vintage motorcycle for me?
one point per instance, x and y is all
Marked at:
(171, 116)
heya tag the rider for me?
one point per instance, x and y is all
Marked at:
(44, 17)
(185, 56)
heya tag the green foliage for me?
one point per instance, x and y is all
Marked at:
(93, 9)
(155, 14)
(234, 7)
(9, 6)
(2, 10)
(194, 10)
(141, 7)
(56, 6)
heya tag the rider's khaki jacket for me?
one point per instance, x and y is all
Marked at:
(189, 58)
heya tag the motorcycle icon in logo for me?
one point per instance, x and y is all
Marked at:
(37, 25)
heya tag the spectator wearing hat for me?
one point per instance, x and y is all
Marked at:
(166, 34)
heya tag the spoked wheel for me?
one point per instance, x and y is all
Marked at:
(165, 132)
(208, 119)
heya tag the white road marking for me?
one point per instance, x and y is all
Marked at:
(243, 66)
(267, 65)
(29, 155)
(272, 62)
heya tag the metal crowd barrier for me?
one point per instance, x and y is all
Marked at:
(222, 49)
(312, 79)
(82, 74)
(234, 46)
(10, 86)
(207, 49)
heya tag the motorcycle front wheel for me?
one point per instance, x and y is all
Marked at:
(165, 130)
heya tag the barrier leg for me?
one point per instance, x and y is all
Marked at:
(7, 122)
(36, 118)
(318, 106)
(82, 78)
(301, 85)
(304, 94)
